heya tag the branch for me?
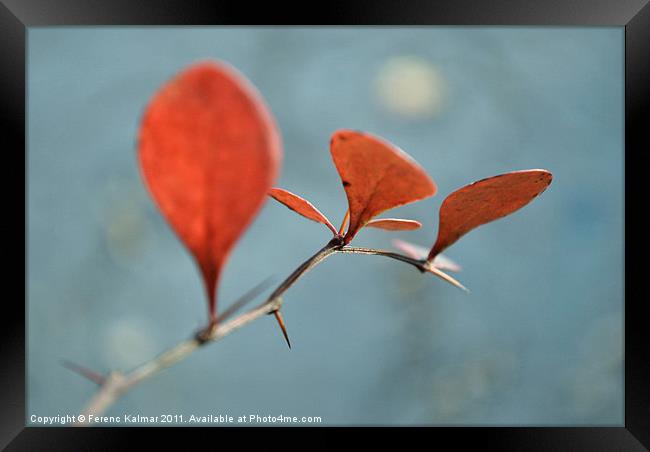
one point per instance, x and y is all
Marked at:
(117, 383)
(422, 265)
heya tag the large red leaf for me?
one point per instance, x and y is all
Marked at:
(394, 224)
(376, 175)
(300, 206)
(209, 152)
(485, 201)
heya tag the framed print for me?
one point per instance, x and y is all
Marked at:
(409, 216)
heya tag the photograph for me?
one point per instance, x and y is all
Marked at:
(413, 218)
(325, 226)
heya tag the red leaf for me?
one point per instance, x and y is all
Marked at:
(209, 152)
(376, 175)
(442, 262)
(410, 249)
(394, 224)
(485, 201)
(300, 206)
(418, 252)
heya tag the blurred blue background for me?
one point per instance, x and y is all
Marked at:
(539, 341)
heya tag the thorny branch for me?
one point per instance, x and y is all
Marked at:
(116, 383)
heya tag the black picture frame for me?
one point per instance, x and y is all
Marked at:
(634, 15)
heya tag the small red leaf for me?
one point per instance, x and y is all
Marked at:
(376, 175)
(441, 261)
(300, 206)
(209, 151)
(415, 251)
(485, 201)
(394, 224)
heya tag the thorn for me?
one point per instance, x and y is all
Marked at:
(346, 219)
(93, 376)
(244, 299)
(439, 273)
(280, 320)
